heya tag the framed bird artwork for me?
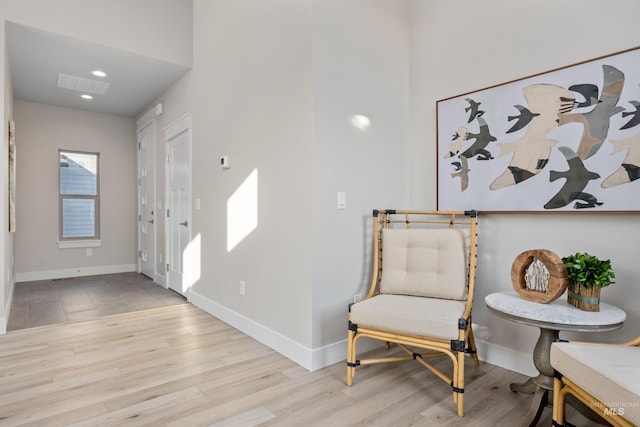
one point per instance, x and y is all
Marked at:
(562, 140)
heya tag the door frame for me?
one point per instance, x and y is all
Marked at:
(181, 125)
(148, 119)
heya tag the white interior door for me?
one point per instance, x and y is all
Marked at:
(146, 198)
(178, 203)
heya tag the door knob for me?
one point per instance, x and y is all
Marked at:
(150, 221)
(184, 223)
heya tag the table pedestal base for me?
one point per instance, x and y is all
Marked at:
(542, 386)
(541, 398)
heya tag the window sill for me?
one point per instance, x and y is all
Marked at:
(68, 244)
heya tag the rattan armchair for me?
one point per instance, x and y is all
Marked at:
(421, 292)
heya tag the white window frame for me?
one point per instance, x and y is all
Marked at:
(75, 241)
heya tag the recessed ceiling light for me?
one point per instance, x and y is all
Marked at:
(86, 96)
(99, 73)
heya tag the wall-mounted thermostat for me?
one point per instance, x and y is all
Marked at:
(224, 162)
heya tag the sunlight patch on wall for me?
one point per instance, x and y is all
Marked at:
(192, 257)
(360, 122)
(242, 211)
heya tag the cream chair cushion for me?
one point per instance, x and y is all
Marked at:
(610, 373)
(430, 317)
(423, 262)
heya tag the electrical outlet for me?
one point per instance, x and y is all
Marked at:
(357, 297)
(481, 333)
(242, 287)
(89, 252)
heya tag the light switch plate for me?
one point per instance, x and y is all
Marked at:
(342, 200)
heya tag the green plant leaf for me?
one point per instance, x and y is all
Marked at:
(588, 270)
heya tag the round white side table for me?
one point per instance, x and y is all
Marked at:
(550, 318)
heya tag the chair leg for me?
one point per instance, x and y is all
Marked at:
(558, 403)
(351, 356)
(472, 347)
(458, 383)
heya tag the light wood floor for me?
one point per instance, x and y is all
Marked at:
(179, 366)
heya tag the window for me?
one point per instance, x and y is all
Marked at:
(79, 195)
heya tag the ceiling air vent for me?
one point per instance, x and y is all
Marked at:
(81, 84)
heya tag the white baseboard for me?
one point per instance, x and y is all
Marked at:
(273, 339)
(514, 360)
(74, 272)
(494, 354)
(314, 359)
(337, 352)
(161, 280)
(7, 310)
(310, 359)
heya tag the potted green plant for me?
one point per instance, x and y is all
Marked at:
(587, 276)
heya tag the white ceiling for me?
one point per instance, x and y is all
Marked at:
(37, 57)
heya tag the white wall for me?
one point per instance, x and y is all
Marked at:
(274, 87)
(7, 277)
(465, 46)
(250, 95)
(360, 66)
(43, 130)
(159, 29)
(254, 59)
